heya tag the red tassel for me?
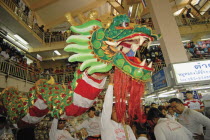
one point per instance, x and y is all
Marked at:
(122, 89)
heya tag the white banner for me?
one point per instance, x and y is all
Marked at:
(192, 71)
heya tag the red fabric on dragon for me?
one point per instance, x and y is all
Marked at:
(127, 90)
(81, 100)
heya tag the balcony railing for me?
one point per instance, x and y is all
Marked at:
(191, 21)
(14, 70)
(28, 20)
(48, 38)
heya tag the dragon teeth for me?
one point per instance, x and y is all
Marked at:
(112, 43)
(150, 65)
(125, 50)
(142, 39)
(134, 47)
(143, 62)
(119, 47)
(149, 44)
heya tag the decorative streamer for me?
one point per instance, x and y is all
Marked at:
(127, 91)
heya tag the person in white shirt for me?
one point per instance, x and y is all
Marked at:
(166, 129)
(171, 114)
(92, 125)
(5, 54)
(111, 128)
(57, 131)
(191, 119)
(15, 58)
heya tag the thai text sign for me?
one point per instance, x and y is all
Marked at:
(192, 71)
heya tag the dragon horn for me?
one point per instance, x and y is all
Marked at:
(51, 81)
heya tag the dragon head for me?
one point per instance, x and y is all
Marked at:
(101, 48)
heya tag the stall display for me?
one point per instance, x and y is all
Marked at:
(42, 129)
(199, 49)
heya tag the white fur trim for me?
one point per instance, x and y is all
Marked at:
(92, 83)
(80, 101)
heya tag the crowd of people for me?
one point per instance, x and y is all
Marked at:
(55, 36)
(198, 50)
(9, 53)
(176, 120)
(27, 15)
(61, 70)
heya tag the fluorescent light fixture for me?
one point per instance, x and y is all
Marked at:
(155, 44)
(22, 46)
(21, 39)
(57, 52)
(186, 40)
(200, 87)
(166, 95)
(178, 12)
(8, 36)
(154, 97)
(151, 96)
(205, 39)
(195, 2)
(168, 92)
(39, 57)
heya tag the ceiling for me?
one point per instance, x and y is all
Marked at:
(50, 14)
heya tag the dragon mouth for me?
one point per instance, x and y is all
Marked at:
(129, 46)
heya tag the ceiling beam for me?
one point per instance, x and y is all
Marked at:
(49, 47)
(174, 8)
(75, 13)
(131, 2)
(197, 13)
(205, 8)
(35, 6)
(117, 6)
(133, 14)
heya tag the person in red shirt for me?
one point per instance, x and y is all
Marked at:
(192, 103)
(57, 70)
(62, 70)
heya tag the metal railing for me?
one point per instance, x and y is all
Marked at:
(13, 69)
(28, 20)
(191, 21)
(50, 37)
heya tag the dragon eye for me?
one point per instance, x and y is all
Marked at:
(124, 24)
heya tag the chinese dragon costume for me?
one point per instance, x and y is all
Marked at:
(99, 50)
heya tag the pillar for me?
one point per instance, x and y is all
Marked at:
(165, 24)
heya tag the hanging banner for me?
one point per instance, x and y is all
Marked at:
(192, 72)
(159, 80)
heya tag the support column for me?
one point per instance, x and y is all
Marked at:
(165, 24)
